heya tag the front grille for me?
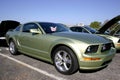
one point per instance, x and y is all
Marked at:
(107, 46)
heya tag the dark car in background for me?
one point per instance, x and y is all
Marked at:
(7, 25)
(84, 29)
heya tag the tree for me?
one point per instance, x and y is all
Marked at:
(95, 24)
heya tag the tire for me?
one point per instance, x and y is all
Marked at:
(12, 48)
(65, 60)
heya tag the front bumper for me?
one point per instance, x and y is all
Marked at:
(105, 59)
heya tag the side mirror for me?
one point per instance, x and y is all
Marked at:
(36, 31)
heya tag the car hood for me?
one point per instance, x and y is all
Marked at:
(84, 37)
(113, 38)
(109, 24)
(7, 25)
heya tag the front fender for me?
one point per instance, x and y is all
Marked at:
(76, 47)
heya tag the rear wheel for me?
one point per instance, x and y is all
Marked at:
(65, 60)
(12, 48)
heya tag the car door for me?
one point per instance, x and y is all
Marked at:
(33, 43)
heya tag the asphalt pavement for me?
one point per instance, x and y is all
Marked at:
(23, 67)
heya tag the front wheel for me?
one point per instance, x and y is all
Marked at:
(12, 48)
(65, 60)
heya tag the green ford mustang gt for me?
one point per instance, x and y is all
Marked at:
(68, 51)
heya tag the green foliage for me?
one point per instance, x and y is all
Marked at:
(95, 25)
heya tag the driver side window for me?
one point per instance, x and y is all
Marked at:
(29, 26)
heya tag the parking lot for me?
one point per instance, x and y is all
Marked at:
(23, 67)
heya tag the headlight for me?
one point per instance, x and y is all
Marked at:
(106, 47)
(92, 49)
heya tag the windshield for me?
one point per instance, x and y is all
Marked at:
(53, 27)
(90, 29)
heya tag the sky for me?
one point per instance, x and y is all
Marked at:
(59, 11)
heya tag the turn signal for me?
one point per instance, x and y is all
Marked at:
(90, 59)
